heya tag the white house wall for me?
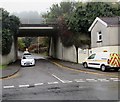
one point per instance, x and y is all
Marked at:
(99, 27)
(112, 49)
(113, 36)
(110, 38)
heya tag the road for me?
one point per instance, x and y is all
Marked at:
(48, 81)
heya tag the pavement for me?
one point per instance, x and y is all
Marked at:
(10, 70)
(68, 64)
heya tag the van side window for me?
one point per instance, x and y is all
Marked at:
(92, 56)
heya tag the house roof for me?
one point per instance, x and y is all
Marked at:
(107, 21)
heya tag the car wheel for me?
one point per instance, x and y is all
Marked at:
(85, 65)
(103, 68)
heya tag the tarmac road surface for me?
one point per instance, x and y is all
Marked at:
(48, 81)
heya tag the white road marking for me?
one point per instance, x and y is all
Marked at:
(52, 82)
(67, 81)
(114, 78)
(63, 81)
(103, 80)
(37, 84)
(91, 80)
(24, 85)
(79, 80)
(57, 78)
(5, 87)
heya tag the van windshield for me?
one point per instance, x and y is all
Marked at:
(92, 56)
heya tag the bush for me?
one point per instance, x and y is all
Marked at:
(6, 41)
(21, 45)
(10, 25)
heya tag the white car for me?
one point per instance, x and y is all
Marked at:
(27, 60)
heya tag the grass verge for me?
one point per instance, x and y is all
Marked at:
(3, 66)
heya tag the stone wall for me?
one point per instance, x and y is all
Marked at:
(11, 57)
(57, 50)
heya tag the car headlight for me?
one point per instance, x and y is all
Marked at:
(33, 61)
(22, 61)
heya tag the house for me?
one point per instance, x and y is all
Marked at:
(105, 34)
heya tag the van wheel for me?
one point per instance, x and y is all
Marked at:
(85, 65)
(103, 68)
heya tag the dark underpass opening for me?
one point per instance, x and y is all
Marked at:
(38, 45)
(36, 38)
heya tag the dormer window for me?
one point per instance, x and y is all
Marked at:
(99, 36)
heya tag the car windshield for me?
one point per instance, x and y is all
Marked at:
(27, 54)
(27, 57)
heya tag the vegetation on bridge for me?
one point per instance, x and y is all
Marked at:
(74, 19)
(10, 24)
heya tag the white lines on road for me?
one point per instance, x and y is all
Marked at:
(103, 80)
(64, 81)
(67, 81)
(38, 84)
(57, 78)
(24, 85)
(114, 78)
(6, 87)
(52, 82)
(91, 80)
(79, 80)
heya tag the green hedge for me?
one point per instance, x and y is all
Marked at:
(6, 41)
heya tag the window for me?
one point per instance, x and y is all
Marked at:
(92, 56)
(99, 36)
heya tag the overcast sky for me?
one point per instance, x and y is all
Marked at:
(27, 5)
(32, 5)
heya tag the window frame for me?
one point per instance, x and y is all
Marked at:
(99, 36)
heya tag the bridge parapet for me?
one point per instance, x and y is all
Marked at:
(35, 30)
(39, 25)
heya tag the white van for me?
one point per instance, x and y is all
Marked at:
(103, 60)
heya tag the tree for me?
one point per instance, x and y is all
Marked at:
(21, 44)
(75, 18)
(10, 24)
(84, 15)
(27, 41)
(6, 41)
(63, 9)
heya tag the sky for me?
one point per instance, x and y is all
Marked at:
(40, 6)
(27, 5)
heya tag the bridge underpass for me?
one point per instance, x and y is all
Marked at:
(56, 48)
(37, 30)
